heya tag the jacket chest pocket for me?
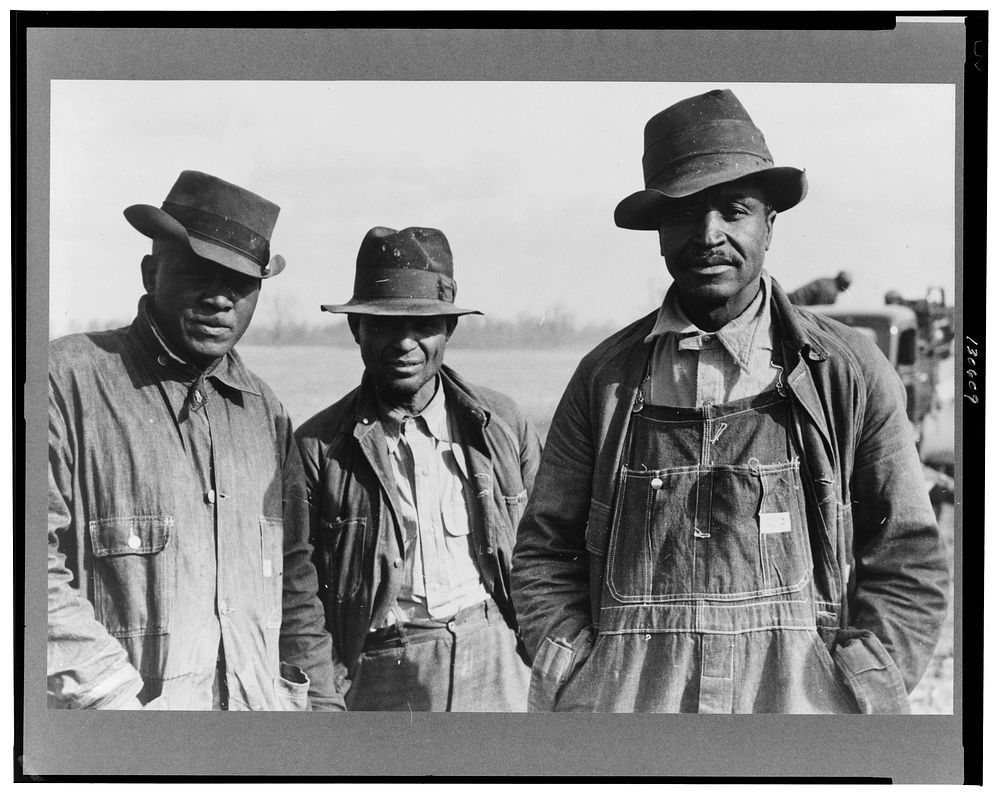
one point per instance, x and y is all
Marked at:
(134, 573)
(342, 555)
(272, 555)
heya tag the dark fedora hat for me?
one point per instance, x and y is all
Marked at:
(700, 142)
(217, 220)
(408, 272)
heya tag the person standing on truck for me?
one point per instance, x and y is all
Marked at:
(821, 291)
(729, 515)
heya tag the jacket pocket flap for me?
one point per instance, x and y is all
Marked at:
(130, 535)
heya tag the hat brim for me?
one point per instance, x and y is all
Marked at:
(784, 186)
(155, 223)
(397, 307)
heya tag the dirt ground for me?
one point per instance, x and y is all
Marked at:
(935, 692)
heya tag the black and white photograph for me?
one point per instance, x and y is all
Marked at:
(402, 397)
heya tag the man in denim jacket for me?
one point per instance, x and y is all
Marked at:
(417, 480)
(730, 514)
(179, 564)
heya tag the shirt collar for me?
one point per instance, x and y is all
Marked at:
(740, 336)
(228, 370)
(434, 417)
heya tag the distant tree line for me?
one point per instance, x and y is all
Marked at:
(555, 328)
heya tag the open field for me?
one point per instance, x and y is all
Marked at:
(307, 379)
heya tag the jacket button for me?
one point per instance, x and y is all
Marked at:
(134, 542)
(397, 563)
(489, 549)
(161, 360)
(656, 483)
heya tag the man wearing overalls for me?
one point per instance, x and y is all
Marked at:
(729, 515)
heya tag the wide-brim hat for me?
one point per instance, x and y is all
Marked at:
(217, 220)
(403, 273)
(698, 143)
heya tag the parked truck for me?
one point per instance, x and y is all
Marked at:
(916, 337)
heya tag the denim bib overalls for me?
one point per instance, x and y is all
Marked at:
(708, 602)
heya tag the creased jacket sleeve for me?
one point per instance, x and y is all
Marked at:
(305, 641)
(550, 576)
(901, 568)
(531, 453)
(86, 667)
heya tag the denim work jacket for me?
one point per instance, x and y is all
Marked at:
(879, 567)
(150, 568)
(355, 515)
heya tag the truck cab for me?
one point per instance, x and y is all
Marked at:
(920, 353)
(895, 330)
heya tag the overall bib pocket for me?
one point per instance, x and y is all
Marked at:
(134, 576)
(785, 559)
(651, 549)
(707, 531)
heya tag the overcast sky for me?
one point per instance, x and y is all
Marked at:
(522, 178)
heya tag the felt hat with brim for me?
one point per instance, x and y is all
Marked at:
(217, 220)
(403, 273)
(698, 143)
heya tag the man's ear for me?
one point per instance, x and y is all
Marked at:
(770, 228)
(148, 273)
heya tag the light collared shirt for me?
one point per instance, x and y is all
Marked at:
(432, 481)
(692, 368)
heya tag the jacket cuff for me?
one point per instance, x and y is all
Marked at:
(555, 663)
(327, 703)
(111, 692)
(870, 673)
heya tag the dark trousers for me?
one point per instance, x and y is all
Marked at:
(468, 663)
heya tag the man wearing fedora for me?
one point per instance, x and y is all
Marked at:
(180, 573)
(417, 480)
(729, 515)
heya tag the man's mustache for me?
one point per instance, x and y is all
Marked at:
(712, 258)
